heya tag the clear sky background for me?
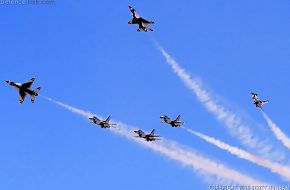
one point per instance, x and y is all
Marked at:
(86, 55)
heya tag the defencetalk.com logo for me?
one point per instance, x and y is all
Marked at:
(27, 2)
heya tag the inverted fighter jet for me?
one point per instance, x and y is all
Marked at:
(173, 123)
(104, 124)
(258, 102)
(140, 21)
(24, 89)
(148, 137)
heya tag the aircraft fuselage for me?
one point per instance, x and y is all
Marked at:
(175, 124)
(19, 87)
(258, 104)
(104, 125)
(149, 138)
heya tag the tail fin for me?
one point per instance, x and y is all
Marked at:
(152, 132)
(108, 119)
(178, 118)
(35, 94)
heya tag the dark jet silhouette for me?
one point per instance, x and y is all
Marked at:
(24, 89)
(140, 21)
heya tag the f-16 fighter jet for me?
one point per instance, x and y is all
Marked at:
(104, 124)
(148, 137)
(140, 21)
(173, 123)
(24, 89)
(258, 102)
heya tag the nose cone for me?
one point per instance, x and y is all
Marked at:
(130, 7)
(7, 81)
(162, 116)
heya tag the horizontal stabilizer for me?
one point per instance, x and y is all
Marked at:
(37, 90)
(32, 98)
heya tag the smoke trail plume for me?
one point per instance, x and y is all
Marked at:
(277, 131)
(282, 170)
(85, 114)
(174, 151)
(230, 119)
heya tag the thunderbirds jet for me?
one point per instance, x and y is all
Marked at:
(148, 137)
(140, 21)
(104, 124)
(24, 89)
(258, 102)
(173, 123)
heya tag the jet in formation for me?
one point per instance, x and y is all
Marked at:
(257, 102)
(173, 123)
(25, 89)
(104, 124)
(148, 137)
(140, 21)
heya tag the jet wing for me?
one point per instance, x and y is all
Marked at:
(264, 102)
(28, 83)
(22, 96)
(146, 21)
(140, 133)
(134, 13)
(95, 120)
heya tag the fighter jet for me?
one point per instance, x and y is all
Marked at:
(173, 123)
(140, 21)
(104, 124)
(148, 137)
(24, 89)
(258, 102)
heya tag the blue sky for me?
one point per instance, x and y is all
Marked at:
(85, 54)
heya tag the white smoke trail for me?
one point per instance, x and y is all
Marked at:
(282, 170)
(277, 131)
(85, 114)
(174, 151)
(230, 119)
